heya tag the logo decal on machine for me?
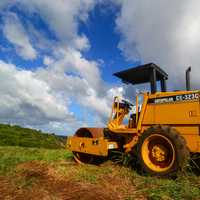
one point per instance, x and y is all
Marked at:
(177, 98)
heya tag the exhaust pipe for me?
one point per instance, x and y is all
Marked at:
(187, 74)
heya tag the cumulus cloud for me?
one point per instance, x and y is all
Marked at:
(63, 18)
(27, 100)
(162, 32)
(42, 98)
(16, 34)
(75, 76)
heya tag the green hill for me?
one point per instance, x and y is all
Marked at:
(26, 137)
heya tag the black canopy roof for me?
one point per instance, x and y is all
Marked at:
(142, 74)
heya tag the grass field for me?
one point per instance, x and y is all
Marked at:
(36, 173)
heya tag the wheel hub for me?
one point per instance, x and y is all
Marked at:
(159, 153)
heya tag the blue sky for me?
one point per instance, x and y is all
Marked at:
(104, 38)
(100, 30)
(57, 57)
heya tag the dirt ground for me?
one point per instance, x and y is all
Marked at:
(35, 180)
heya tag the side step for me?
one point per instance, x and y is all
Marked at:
(94, 146)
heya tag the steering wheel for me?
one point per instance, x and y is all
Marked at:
(127, 103)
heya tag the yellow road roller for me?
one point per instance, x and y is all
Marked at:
(161, 127)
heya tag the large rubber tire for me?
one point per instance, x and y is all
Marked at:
(162, 151)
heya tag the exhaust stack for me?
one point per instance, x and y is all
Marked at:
(188, 84)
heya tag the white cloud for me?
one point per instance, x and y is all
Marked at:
(16, 34)
(61, 128)
(63, 18)
(47, 60)
(42, 98)
(27, 100)
(79, 79)
(162, 32)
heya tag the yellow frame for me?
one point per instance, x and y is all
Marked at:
(184, 116)
(94, 146)
(190, 131)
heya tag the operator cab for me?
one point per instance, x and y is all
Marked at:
(148, 73)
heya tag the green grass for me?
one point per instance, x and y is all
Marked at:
(11, 156)
(20, 145)
(184, 187)
(25, 137)
(121, 179)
